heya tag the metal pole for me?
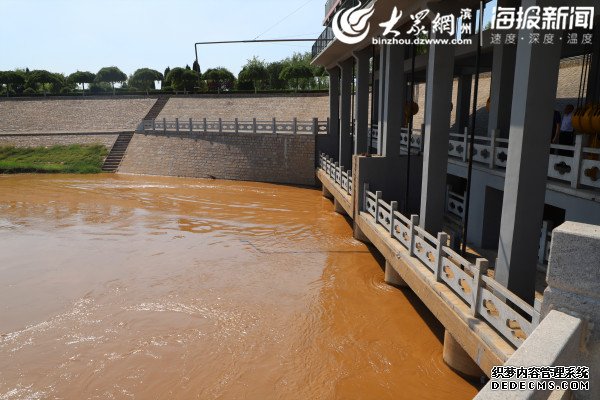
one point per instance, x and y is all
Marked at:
(372, 101)
(472, 135)
(410, 126)
(352, 94)
(197, 63)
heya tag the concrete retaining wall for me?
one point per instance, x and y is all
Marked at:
(52, 139)
(275, 158)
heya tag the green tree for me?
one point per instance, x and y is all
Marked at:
(111, 75)
(321, 75)
(296, 72)
(301, 62)
(274, 70)
(144, 79)
(196, 67)
(12, 80)
(81, 78)
(182, 79)
(45, 80)
(219, 79)
(255, 71)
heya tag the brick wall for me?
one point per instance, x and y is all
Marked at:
(72, 115)
(275, 158)
(261, 107)
(50, 139)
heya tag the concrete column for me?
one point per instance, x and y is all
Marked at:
(501, 89)
(394, 94)
(359, 235)
(593, 87)
(326, 193)
(463, 102)
(438, 99)
(392, 277)
(536, 77)
(345, 147)
(503, 76)
(574, 288)
(458, 359)
(337, 207)
(334, 112)
(381, 94)
(361, 103)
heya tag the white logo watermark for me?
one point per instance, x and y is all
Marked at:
(352, 26)
(543, 18)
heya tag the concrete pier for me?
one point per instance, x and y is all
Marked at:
(392, 276)
(458, 359)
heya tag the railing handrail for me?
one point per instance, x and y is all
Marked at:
(575, 164)
(489, 300)
(338, 173)
(295, 126)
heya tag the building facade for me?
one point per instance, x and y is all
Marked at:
(490, 178)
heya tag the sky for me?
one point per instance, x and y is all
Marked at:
(86, 35)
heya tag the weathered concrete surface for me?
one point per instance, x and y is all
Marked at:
(458, 359)
(392, 276)
(554, 342)
(73, 115)
(574, 287)
(575, 259)
(271, 158)
(35, 140)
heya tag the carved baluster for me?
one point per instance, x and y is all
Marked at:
(481, 267)
(442, 239)
(394, 207)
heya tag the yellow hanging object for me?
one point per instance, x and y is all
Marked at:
(595, 119)
(576, 119)
(586, 120)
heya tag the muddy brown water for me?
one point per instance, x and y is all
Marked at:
(115, 287)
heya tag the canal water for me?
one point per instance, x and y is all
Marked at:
(116, 287)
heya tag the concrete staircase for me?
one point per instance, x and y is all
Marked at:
(157, 107)
(113, 160)
(117, 152)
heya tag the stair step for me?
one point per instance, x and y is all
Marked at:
(117, 152)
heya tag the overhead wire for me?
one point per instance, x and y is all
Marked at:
(284, 18)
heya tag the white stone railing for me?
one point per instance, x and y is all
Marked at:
(488, 300)
(580, 168)
(343, 178)
(416, 139)
(455, 203)
(235, 126)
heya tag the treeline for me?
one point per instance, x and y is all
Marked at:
(290, 74)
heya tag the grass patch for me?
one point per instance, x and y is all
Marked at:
(72, 159)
